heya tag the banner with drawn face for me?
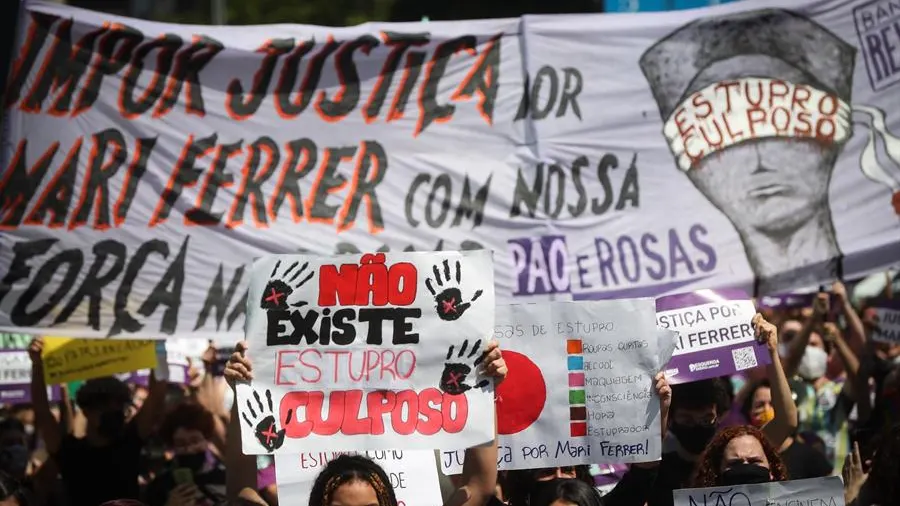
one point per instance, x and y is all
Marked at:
(378, 351)
(146, 165)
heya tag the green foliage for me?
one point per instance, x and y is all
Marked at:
(311, 12)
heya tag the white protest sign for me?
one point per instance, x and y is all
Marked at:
(375, 351)
(714, 334)
(827, 491)
(580, 385)
(888, 314)
(411, 473)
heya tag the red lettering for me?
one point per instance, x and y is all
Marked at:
(755, 117)
(279, 366)
(832, 102)
(800, 96)
(371, 281)
(402, 284)
(427, 412)
(337, 286)
(777, 89)
(698, 101)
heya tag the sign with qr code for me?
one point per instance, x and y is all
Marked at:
(715, 337)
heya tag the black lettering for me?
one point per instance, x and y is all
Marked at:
(525, 195)
(135, 173)
(20, 183)
(122, 319)
(580, 163)
(188, 66)
(374, 160)
(573, 83)
(217, 178)
(184, 174)
(330, 109)
(132, 107)
(168, 293)
(403, 333)
(293, 172)
(107, 63)
(468, 207)
(342, 322)
(19, 268)
(545, 74)
(241, 107)
(400, 42)
(219, 298)
(607, 162)
(254, 178)
(330, 180)
(94, 282)
(72, 260)
(431, 111)
(95, 189)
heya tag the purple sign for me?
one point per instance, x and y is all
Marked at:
(888, 313)
(786, 301)
(715, 337)
(540, 264)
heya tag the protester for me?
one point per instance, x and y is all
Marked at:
(823, 405)
(478, 484)
(739, 456)
(881, 485)
(562, 492)
(15, 454)
(695, 412)
(12, 493)
(104, 465)
(186, 432)
(802, 460)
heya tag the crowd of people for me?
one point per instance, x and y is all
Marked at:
(827, 405)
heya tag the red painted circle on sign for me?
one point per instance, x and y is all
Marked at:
(521, 396)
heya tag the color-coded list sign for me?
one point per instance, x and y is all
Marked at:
(577, 406)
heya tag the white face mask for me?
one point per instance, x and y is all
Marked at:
(813, 363)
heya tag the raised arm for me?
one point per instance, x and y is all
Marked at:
(479, 476)
(240, 481)
(797, 346)
(856, 337)
(785, 422)
(832, 334)
(47, 425)
(153, 408)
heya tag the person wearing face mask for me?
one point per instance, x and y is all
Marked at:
(105, 463)
(695, 413)
(186, 432)
(823, 405)
(802, 460)
(740, 455)
(15, 455)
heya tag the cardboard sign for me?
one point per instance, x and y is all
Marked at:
(827, 491)
(67, 359)
(888, 313)
(374, 351)
(412, 474)
(580, 388)
(715, 337)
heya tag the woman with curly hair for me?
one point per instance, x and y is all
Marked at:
(740, 455)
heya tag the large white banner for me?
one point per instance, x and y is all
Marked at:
(146, 165)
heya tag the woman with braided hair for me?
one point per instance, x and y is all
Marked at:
(354, 480)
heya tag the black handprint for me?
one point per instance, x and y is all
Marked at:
(265, 430)
(278, 290)
(449, 303)
(453, 379)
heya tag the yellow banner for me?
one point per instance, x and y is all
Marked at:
(67, 359)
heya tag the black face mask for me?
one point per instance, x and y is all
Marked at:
(111, 424)
(693, 438)
(193, 461)
(744, 474)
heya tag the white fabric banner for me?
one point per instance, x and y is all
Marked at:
(373, 352)
(749, 145)
(828, 491)
(580, 388)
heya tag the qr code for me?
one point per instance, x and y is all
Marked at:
(744, 358)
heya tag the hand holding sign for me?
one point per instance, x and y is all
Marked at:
(259, 417)
(766, 333)
(453, 379)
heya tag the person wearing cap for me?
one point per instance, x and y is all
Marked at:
(756, 110)
(105, 464)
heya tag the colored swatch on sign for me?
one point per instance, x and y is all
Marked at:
(577, 400)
